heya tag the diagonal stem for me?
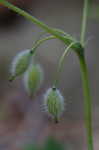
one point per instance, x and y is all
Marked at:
(57, 33)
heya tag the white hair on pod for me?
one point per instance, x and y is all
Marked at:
(33, 78)
(20, 63)
(54, 103)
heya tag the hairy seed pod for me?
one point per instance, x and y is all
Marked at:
(33, 78)
(20, 63)
(54, 103)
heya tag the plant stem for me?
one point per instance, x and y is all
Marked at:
(87, 102)
(78, 48)
(67, 39)
(85, 81)
(39, 42)
(60, 64)
(35, 21)
(84, 20)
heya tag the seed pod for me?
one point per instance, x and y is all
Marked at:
(33, 78)
(54, 103)
(20, 63)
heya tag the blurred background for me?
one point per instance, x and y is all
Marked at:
(21, 120)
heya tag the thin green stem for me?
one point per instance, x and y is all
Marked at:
(39, 42)
(66, 38)
(59, 34)
(60, 64)
(85, 81)
(84, 20)
(78, 48)
(87, 103)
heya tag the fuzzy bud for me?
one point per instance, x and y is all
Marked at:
(20, 63)
(54, 103)
(33, 78)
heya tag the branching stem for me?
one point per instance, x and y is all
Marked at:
(78, 48)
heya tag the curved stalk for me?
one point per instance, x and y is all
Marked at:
(39, 42)
(60, 64)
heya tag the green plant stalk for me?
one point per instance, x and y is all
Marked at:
(67, 39)
(31, 18)
(84, 20)
(39, 42)
(78, 48)
(61, 62)
(87, 102)
(85, 81)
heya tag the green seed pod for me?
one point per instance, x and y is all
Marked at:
(33, 78)
(20, 63)
(54, 103)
